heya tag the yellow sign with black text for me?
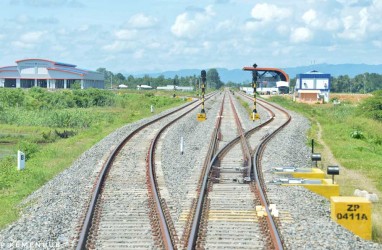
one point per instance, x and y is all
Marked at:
(353, 213)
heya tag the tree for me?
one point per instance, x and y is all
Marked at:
(120, 77)
(213, 78)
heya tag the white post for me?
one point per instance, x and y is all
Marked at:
(20, 160)
(181, 145)
(152, 108)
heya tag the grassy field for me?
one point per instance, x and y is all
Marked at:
(46, 157)
(354, 140)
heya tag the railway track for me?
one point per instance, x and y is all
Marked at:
(233, 209)
(126, 210)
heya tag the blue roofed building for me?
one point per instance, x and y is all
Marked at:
(313, 86)
(48, 74)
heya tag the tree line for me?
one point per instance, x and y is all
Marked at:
(213, 80)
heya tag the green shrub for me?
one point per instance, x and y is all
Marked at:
(372, 107)
(357, 134)
(47, 137)
(11, 97)
(28, 148)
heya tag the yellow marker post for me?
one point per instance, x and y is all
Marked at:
(353, 213)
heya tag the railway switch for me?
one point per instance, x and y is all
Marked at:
(323, 187)
(310, 173)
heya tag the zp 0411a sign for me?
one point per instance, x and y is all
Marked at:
(353, 213)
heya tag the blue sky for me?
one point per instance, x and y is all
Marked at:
(159, 35)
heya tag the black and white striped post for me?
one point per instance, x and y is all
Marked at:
(255, 115)
(202, 115)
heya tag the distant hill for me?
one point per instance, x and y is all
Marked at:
(240, 76)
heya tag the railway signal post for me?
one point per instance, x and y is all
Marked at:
(202, 115)
(255, 115)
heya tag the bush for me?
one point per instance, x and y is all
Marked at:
(28, 148)
(357, 134)
(372, 106)
(12, 97)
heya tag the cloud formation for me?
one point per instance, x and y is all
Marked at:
(213, 33)
(193, 23)
(268, 12)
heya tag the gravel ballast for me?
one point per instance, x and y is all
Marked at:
(311, 226)
(52, 213)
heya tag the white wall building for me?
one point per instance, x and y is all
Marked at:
(48, 74)
(313, 86)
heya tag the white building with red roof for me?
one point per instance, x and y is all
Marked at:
(48, 74)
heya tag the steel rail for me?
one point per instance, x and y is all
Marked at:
(278, 243)
(203, 190)
(203, 187)
(196, 219)
(166, 234)
(207, 160)
(81, 244)
(244, 142)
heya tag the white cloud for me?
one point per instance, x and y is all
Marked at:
(301, 35)
(125, 34)
(226, 25)
(116, 46)
(269, 12)
(332, 24)
(139, 54)
(251, 25)
(309, 16)
(355, 27)
(283, 29)
(23, 45)
(189, 25)
(32, 37)
(141, 21)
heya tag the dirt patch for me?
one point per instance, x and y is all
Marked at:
(353, 98)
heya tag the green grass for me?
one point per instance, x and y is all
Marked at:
(363, 154)
(52, 158)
